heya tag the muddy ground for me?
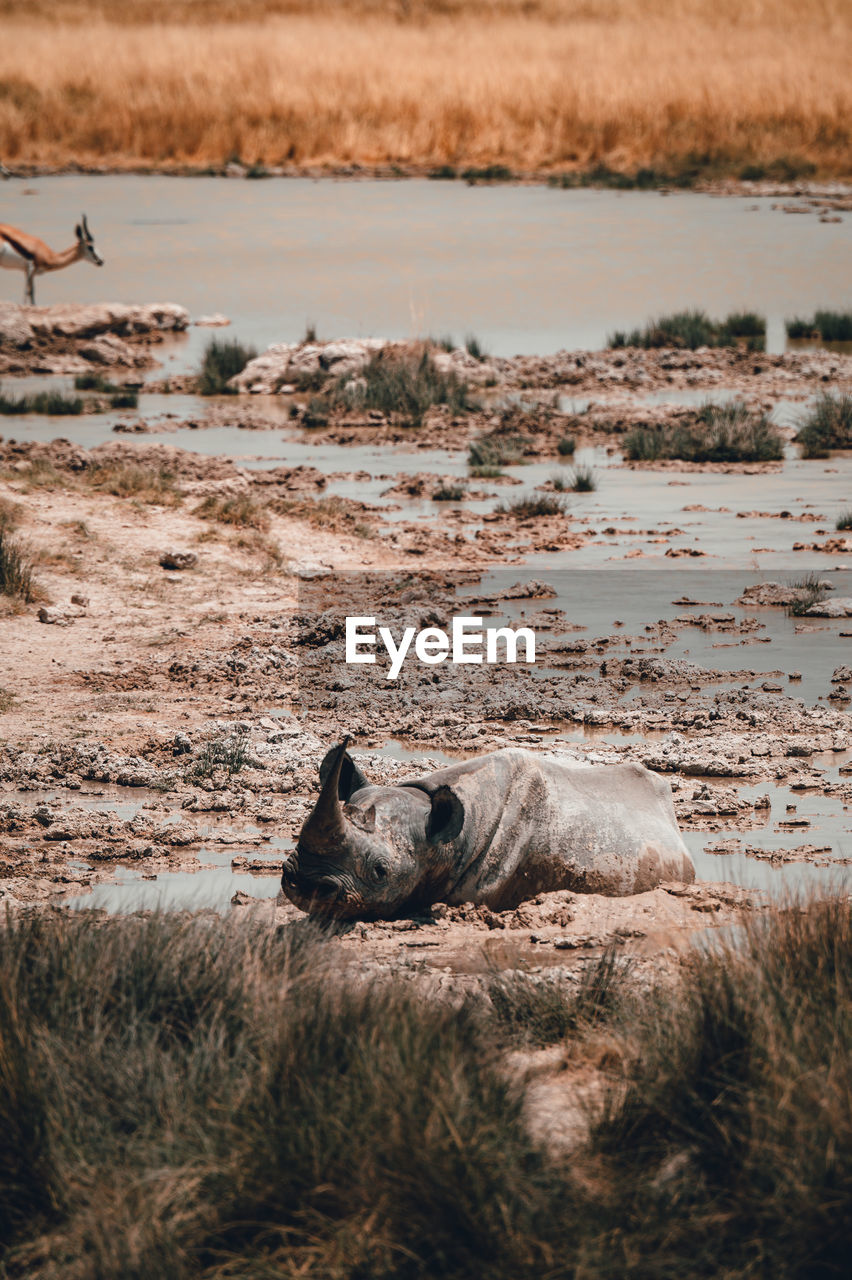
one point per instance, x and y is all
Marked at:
(167, 694)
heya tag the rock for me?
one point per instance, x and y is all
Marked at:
(842, 675)
(840, 608)
(215, 321)
(122, 319)
(178, 560)
(82, 601)
(55, 617)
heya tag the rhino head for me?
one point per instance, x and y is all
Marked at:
(371, 852)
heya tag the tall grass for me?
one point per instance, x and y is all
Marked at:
(718, 433)
(827, 426)
(241, 510)
(188, 1097)
(828, 326)
(731, 1149)
(16, 568)
(222, 360)
(402, 386)
(640, 86)
(138, 480)
(52, 403)
(693, 329)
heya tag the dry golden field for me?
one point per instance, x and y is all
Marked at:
(710, 86)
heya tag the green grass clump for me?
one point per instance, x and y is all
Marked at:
(495, 451)
(16, 569)
(826, 326)
(52, 403)
(241, 510)
(810, 590)
(403, 386)
(566, 446)
(97, 382)
(449, 493)
(693, 329)
(475, 348)
(229, 753)
(827, 426)
(443, 173)
(844, 521)
(718, 433)
(582, 480)
(125, 399)
(222, 361)
(544, 504)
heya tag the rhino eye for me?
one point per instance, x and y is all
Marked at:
(379, 871)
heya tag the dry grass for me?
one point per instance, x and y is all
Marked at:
(707, 85)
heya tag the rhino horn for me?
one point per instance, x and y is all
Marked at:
(326, 825)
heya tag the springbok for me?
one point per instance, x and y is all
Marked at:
(22, 252)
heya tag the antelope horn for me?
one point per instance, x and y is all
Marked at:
(326, 825)
(86, 227)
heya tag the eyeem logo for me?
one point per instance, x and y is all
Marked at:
(432, 645)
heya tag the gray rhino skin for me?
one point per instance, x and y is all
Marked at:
(496, 830)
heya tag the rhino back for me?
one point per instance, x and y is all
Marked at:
(534, 823)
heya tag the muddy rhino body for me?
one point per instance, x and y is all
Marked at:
(496, 830)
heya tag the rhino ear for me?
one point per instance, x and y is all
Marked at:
(446, 818)
(351, 777)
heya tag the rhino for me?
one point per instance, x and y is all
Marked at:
(494, 830)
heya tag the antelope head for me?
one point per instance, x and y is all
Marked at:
(86, 244)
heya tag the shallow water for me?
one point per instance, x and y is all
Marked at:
(527, 269)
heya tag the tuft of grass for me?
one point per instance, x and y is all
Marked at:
(826, 326)
(443, 173)
(486, 471)
(544, 504)
(7, 701)
(827, 426)
(736, 1110)
(494, 451)
(844, 521)
(152, 484)
(228, 753)
(241, 510)
(125, 399)
(566, 446)
(16, 570)
(693, 329)
(475, 348)
(51, 403)
(718, 433)
(223, 359)
(11, 514)
(582, 480)
(449, 493)
(310, 334)
(402, 386)
(810, 591)
(97, 382)
(316, 413)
